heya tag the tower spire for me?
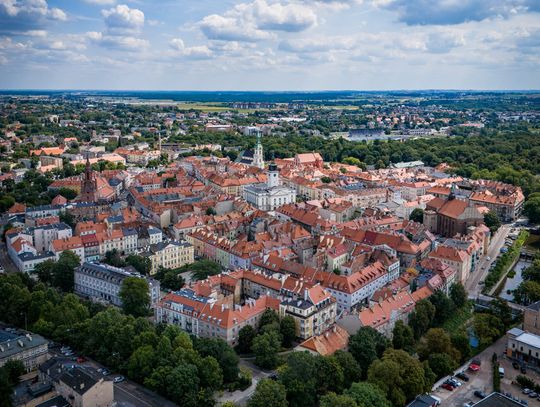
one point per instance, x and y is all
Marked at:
(258, 157)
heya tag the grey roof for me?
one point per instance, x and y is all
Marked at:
(12, 344)
(27, 256)
(497, 400)
(534, 306)
(423, 400)
(78, 380)
(57, 401)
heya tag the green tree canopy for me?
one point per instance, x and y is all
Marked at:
(135, 296)
(366, 345)
(367, 395)
(268, 393)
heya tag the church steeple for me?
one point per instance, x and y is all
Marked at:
(258, 157)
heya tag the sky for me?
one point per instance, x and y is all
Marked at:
(269, 44)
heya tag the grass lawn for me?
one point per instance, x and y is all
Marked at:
(459, 320)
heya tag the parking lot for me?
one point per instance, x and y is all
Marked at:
(483, 380)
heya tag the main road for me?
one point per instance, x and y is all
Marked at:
(472, 285)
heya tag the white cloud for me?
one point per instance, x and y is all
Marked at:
(124, 43)
(321, 44)
(257, 20)
(200, 51)
(217, 27)
(101, 2)
(123, 20)
(282, 17)
(35, 33)
(25, 15)
(443, 42)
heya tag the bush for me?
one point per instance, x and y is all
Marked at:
(496, 377)
(525, 382)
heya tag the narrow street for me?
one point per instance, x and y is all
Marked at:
(472, 285)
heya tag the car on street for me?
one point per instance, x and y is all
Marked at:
(105, 372)
(81, 359)
(480, 394)
(533, 394)
(119, 379)
(526, 391)
(462, 376)
(454, 382)
(523, 369)
(524, 402)
(515, 365)
(474, 367)
(447, 386)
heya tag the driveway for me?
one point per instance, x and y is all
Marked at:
(241, 397)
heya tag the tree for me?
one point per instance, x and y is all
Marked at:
(298, 377)
(210, 373)
(6, 389)
(417, 215)
(335, 400)
(268, 393)
(351, 369)
(399, 375)
(64, 270)
(531, 209)
(436, 340)
(141, 363)
(223, 353)
(366, 345)
(245, 338)
(202, 269)
(444, 307)
(367, 395)
(487, 328)
(135, 296)
(329, 374)
(527, 292)
(269, 317)
(287, 328)
(14, 369)
(421, 318)
(142, 264)
(45, 271)
(210, 211)
(266, 347)
(492, 221)
(441, 364)
(501, 309)
(113, 258)
(458, 295)
(460, 341)
(67, 218)
(403, 337)
(68, 193)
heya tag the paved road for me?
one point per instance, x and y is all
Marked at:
(241, 397)
(497, 242)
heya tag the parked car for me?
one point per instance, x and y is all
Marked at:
(526, 391)
(119, 379)
(533, 394)
(523, 369)
(515, 365)
(455, 382)
(480, 394)
(524, 402)
(462, 376)
(474, 367)
(105, 372)
(447, 386)
(81, 359)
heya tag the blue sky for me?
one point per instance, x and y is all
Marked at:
(270, 44)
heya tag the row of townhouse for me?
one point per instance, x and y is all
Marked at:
(169, 255)
(230, 255)
(31, 246)
(355, 289)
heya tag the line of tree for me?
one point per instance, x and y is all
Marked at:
(185, 370)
